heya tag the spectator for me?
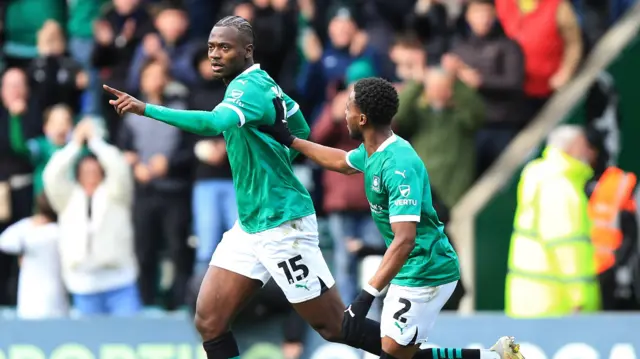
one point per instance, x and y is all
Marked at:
(169, 45)
(55, 77)
(429, 21)
(549, 34)
(440, 116)
(614, 234)
(549, 275)
(344, 198)
(41, 293)
(325, 68)
(58, 123)
(214, 203)
(19, 120)
(162, 158)
(81, 15)
(493, 65)
(275, 23)
(96, 235)
(408, 56)
(117, 34)
(21, 24)
(201, 13)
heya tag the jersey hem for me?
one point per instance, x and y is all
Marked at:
(275, 224)
(427, 283)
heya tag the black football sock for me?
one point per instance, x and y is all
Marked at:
(222, 347)
(448, 353)
(362, 334)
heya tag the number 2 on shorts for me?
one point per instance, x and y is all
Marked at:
(399, 314)
(292, 265)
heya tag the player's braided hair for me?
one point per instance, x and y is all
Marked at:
(377, 99)
(241, 24)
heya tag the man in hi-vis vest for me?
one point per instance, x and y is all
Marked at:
(551, 258)
(614, 234)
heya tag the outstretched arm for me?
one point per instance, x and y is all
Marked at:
(202, 123)
(199, 122)
(329, 158)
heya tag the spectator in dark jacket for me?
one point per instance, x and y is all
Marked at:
(20, 119)
(275, 23)
(55, 77)
(162, 159)
(118, 33)
(170, 45)
(429, 22)
(494, 65)
(326, 67)
(214, 200)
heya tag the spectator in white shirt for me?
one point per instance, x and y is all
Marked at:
(94, 214)
(41, 293)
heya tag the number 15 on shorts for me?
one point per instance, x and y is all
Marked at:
(294, 270)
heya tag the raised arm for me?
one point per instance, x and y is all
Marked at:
(118, 179)
(58, 184)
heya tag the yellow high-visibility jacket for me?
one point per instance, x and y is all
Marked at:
(551, 258)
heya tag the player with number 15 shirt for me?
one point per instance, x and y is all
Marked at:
(276, 235)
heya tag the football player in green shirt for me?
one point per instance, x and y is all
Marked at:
(420, 266)
(276, 234)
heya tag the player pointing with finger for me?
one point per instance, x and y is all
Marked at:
(276, 234)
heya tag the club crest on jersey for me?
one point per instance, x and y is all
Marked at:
(405, 190)
(375, 184)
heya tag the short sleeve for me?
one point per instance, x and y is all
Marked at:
(356, 158)
(404, 187)
(244, 100)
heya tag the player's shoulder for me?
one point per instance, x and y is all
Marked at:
(359, 149)
(253, 76)
(400, 151)
(400, 156)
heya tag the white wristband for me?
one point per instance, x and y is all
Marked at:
(371, 290)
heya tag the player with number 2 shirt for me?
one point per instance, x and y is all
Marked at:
(420, 265)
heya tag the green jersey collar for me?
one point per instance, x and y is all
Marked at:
(387, 142)
(251, 68)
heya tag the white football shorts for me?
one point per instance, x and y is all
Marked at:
(408, 313)
(289, 253)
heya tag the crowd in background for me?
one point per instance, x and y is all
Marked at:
(141, 206)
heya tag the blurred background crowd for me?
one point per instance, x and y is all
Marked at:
(123, 214)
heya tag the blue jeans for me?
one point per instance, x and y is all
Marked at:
(123, 301)
(356, 225)
(81, 50)
(214, 212)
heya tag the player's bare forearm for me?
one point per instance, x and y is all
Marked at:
(329, 158)
(404, 241)
(202, 123)
(393, 260)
